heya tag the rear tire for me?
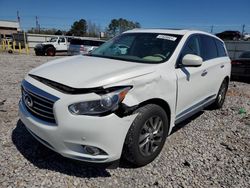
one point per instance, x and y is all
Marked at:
(51, 51)
(219, 101)
(146, 136)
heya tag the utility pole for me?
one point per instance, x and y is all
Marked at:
(212, 29)
(36, 22)
(243, 30)
(18, 19)
(37, 25)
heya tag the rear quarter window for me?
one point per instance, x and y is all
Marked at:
(208, 47)
(220, 48)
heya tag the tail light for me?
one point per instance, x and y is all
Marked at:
(82, 48)
(236, 63)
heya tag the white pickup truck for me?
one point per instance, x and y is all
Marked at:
(55, 44)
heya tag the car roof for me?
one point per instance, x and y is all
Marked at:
(171, 31)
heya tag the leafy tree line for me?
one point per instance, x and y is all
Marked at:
(117, 26)
(90, 29)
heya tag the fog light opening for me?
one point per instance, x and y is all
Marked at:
(91, 150)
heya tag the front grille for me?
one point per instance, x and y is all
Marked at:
(38, 105)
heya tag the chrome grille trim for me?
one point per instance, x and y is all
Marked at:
(43, 111)
(41, 102)
(43, 105)
(42, 99)
(52, 118)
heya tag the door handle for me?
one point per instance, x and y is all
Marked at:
(204, 73)
(222, 66)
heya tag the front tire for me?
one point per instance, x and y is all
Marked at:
(146, 136)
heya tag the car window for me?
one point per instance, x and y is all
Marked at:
(245, 55)
(100, 43)
(208, 47)
(220, 48)
(92, 43)
(62, 39)
(53, 39)
(76, 42)
(69, 39)
(192, 46)
(86, 42)
(95, 43)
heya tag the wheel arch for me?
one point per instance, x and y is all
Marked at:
(160, 102)
(48, 46)
(227, 79)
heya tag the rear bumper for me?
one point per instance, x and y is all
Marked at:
(39, 49)
(73, 132)
(240, 71)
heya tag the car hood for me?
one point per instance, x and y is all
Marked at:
(87, 72)
(45, 43)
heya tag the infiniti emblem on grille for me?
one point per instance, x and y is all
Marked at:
(28, 100)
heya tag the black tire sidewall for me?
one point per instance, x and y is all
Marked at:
(143, 116)
(218, 103)
(53, 52)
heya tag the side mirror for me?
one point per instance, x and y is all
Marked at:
(191, 60)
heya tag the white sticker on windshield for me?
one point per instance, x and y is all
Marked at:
(166, 37)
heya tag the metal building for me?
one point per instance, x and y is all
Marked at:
(9, 27)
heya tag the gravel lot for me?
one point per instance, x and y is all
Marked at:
(212, 149)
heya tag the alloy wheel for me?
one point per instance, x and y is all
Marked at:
(151, 136)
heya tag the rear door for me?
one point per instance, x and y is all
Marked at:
(215, 60)
(192, 81)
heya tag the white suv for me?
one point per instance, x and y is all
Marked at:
(55, 44)
(125, 98)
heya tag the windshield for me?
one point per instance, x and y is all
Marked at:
(139, 47)
(53, 39)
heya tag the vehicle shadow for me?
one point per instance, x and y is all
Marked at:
(44, 158)
(185, 122)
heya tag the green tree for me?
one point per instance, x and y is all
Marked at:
(79, 28)
(58, 32)
(93, 29)
(42, 31)
(46, 31)
(117, 26)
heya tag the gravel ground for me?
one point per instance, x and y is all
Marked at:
(212, 149)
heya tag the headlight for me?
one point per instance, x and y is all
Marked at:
(108, 103)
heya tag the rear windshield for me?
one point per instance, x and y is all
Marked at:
(86, 42)
(139, 47)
